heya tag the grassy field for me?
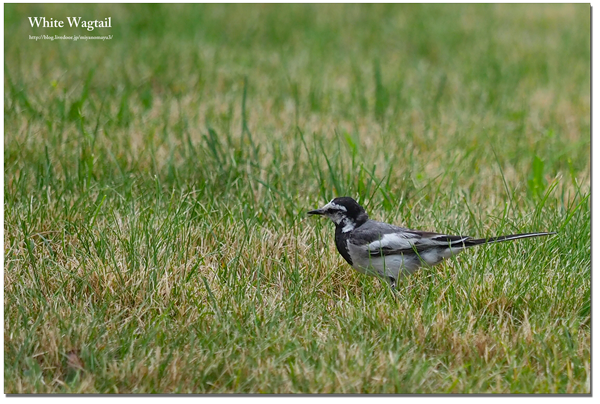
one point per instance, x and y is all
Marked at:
(157, 183)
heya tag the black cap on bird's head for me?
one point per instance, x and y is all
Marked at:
(343, 211)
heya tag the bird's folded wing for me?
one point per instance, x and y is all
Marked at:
(412, 242)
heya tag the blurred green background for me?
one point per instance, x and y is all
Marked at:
(458, 78)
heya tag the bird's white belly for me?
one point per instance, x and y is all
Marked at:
(390, 265)
(394, 265)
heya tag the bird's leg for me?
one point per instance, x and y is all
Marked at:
(392, 282)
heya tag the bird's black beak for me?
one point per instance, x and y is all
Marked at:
(316, 212)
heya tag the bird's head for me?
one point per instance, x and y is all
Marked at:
(344, 212)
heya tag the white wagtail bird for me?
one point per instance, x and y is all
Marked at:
(389, 251)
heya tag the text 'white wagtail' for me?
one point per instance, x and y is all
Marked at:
(389, 251)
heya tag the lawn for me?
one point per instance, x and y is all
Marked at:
(156, 186)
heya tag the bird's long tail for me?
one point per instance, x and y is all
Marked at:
(479, 241)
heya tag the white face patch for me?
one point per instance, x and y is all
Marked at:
(336, 206)
(337, 214)
(336, 217)
(349, 225)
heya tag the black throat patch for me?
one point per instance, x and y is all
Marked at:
(341, 243)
